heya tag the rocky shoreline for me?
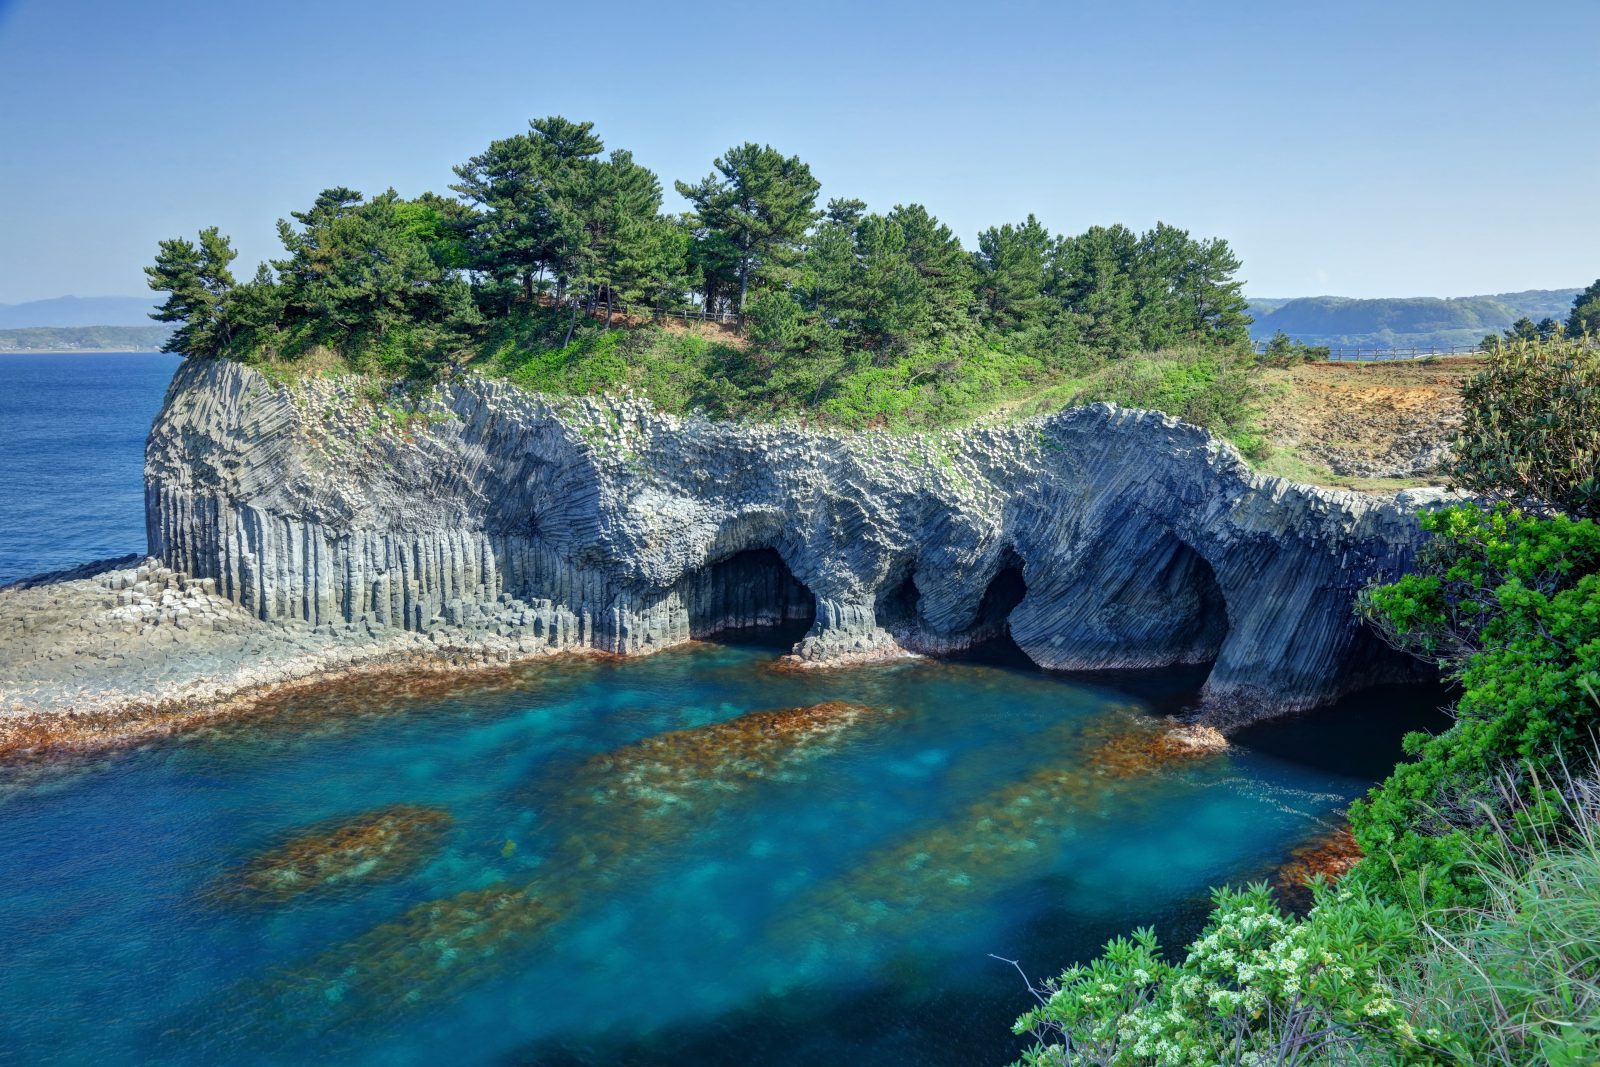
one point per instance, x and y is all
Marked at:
(123, 650)
(301, 534)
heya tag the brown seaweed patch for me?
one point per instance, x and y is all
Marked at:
(998, 839)
(429, 954)
(1329, 854)
(1140, 747)
(340, 855)
(671, 771)
(627, 798)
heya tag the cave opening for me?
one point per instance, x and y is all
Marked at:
(1189, 594)
(896, 609)
(991, 627)
(751, 597)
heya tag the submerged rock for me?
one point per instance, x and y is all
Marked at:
(339, 856)
(1096, 538)
(995, 841)
(623, 802)
(431, 953)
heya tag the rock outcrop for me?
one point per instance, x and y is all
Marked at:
(1098, 537)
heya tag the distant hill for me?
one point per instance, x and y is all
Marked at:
(1403, 322)
(85, 338)
(78, 311)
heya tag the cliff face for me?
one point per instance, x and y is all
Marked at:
(1100, 537)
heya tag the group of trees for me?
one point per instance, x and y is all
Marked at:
(1584, 321)
(548, 219)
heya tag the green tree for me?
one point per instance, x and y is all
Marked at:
(1585, 317)
(533, 191)
(1092, 275)
(945, 277)
(197, 282)
(1013, 265)
(361, 279)
(1212, 296)
(625, 239)
(753, 211)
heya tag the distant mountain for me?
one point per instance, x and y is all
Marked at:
(1405, 322)
(148, 338)
(78, 311)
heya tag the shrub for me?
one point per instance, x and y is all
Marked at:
(1257, 987)
(1213, 388)
(1532, 427)
(1285, 351)
(1511, 605)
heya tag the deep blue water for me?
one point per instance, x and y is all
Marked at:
(839, 907)
(747, 896)
(72, 431)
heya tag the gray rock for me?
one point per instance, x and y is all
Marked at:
(1098, 537)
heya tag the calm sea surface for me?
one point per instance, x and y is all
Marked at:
(599, 862)
(72, 431)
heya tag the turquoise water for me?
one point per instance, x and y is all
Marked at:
(722, 894)
(72, 430)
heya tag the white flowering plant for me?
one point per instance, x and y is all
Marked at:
(1256, 988)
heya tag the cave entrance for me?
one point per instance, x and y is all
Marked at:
(1187, 592)
(750, 598)
(991, 628)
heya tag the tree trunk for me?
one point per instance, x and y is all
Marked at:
(608, 307)
(572, 324)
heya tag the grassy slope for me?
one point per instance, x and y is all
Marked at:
(1283, 419)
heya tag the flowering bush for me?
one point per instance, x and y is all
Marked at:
(1257, 987)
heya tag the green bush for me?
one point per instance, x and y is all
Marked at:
(1214, 388)
(1257, 987)
(1532, 427)
(1510, 604)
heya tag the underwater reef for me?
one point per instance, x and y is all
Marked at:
(339, 856)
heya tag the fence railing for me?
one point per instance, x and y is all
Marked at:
(1360, 353)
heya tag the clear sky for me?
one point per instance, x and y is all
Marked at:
(1360, 149)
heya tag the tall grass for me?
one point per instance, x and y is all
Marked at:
(1516, 980)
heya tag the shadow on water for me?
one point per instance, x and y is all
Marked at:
(1359, 736)
(1162, 691)
(779, 638)
(872, 1023)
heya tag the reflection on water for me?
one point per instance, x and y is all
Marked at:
(632, 862)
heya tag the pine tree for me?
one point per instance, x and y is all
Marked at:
(197, 282)
(754, 210)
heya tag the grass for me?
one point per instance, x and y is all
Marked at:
(1516, 980)
(1286, 464)
(695, 368)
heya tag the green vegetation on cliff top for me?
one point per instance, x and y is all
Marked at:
(555, 266)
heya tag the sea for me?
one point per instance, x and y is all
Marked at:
(691, 858)
(72, 430)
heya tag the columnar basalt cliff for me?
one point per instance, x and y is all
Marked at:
(1099, 537)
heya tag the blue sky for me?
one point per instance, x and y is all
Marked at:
(1392, 149)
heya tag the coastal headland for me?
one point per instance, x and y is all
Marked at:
(299, 532)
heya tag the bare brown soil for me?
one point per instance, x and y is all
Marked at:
(1375, 426)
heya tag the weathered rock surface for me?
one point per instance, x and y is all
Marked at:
(1100, 537)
